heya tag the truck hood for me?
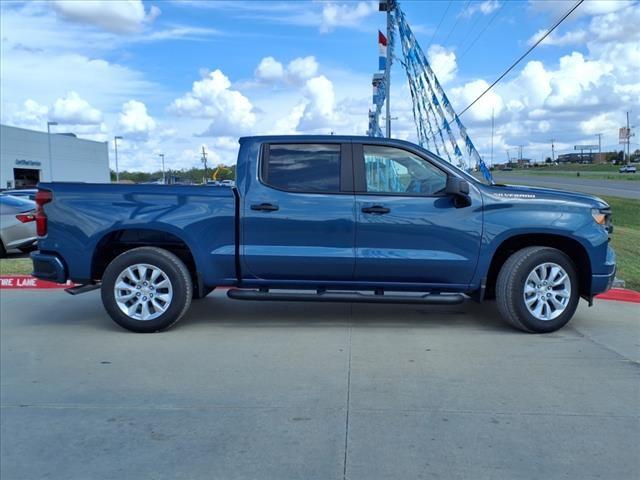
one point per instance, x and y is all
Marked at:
(525, 192)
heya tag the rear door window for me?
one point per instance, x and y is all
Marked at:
(305, 167)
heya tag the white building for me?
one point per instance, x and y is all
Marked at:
(24, 158)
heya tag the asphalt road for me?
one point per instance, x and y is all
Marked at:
(243, 390)
(613, 188)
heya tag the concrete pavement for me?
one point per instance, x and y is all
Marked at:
(247, 390)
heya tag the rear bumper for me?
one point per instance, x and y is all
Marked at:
(48, 266)
(602, 282)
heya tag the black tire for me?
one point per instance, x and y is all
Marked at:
(175, 270)
(511, 283)
(3, 251)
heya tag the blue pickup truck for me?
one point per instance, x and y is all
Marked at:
(333, 219)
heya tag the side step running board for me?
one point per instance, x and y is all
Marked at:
(87, 287)
(345, 297)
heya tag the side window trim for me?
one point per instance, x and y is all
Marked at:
(360, 180)
(346, 179)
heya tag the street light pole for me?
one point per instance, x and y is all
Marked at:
(115, 144)
(49, 124)
(164, 181)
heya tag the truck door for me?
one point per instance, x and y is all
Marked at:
(408, 229)
(298, 220)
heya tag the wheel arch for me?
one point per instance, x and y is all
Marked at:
(569, 246)
(121, 240)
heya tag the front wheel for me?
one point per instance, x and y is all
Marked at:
(146, 289)
(537, 289)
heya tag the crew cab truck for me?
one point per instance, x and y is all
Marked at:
(328, 218)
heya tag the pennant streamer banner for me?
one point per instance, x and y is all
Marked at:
(438, 126)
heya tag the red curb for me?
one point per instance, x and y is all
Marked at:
(11, 282)
(621, 295)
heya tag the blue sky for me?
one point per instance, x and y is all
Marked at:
(171, 76)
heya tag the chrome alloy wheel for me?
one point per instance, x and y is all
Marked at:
(547, 291)
(143, 292)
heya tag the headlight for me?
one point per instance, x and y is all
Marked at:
(602, 216)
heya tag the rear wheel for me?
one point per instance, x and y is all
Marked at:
(146, 289)
(537, 289)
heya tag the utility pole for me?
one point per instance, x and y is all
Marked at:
(599, 145)
(492, 125)
(164, 180)
(115, 144)
(553, 150)
(204, 160)
(49, 124)
(628, 140)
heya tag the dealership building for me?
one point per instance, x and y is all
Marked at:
(28, 157)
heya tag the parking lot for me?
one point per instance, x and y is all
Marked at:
(244, 390)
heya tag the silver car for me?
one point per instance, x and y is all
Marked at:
(17, 224)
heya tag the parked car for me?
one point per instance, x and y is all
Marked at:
(627, 169)
(336, 217)
(17, 224)
(227, 183)
(29, 193)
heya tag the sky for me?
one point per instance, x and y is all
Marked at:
(173, 76)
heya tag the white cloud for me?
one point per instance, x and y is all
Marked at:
(123, 16)
(345, 14)
(319, 110)
(591, 7)
(31, 115)
(481, 110)
(576, 37)
(485, 8)
(74, 110)
(230, 112)
(300, 69)
(599, 123)
(134, 121)
(269, 70)
(443, 62)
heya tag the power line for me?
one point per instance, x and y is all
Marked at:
(462, 12)
(439, 24)
(513, 65)
(473, 42)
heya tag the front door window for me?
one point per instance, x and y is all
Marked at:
(394, 171)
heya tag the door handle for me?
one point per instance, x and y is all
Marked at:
(264, 207)
(377, 209)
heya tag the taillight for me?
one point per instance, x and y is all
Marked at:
(26, 217)
(42, 198)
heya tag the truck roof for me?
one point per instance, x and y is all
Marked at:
(325, 139)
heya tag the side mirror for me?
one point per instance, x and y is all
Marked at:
(460, 190)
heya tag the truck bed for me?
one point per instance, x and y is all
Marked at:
(84, 216)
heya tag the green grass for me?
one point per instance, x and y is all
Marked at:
(15, 266)
(626, 239)
(626, 243)
(626, 212)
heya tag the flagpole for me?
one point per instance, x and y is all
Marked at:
(387, 73)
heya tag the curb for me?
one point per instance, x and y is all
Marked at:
(16, 282)
(620, 295)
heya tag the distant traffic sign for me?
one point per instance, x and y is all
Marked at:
(585, 147)
(624, 133)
